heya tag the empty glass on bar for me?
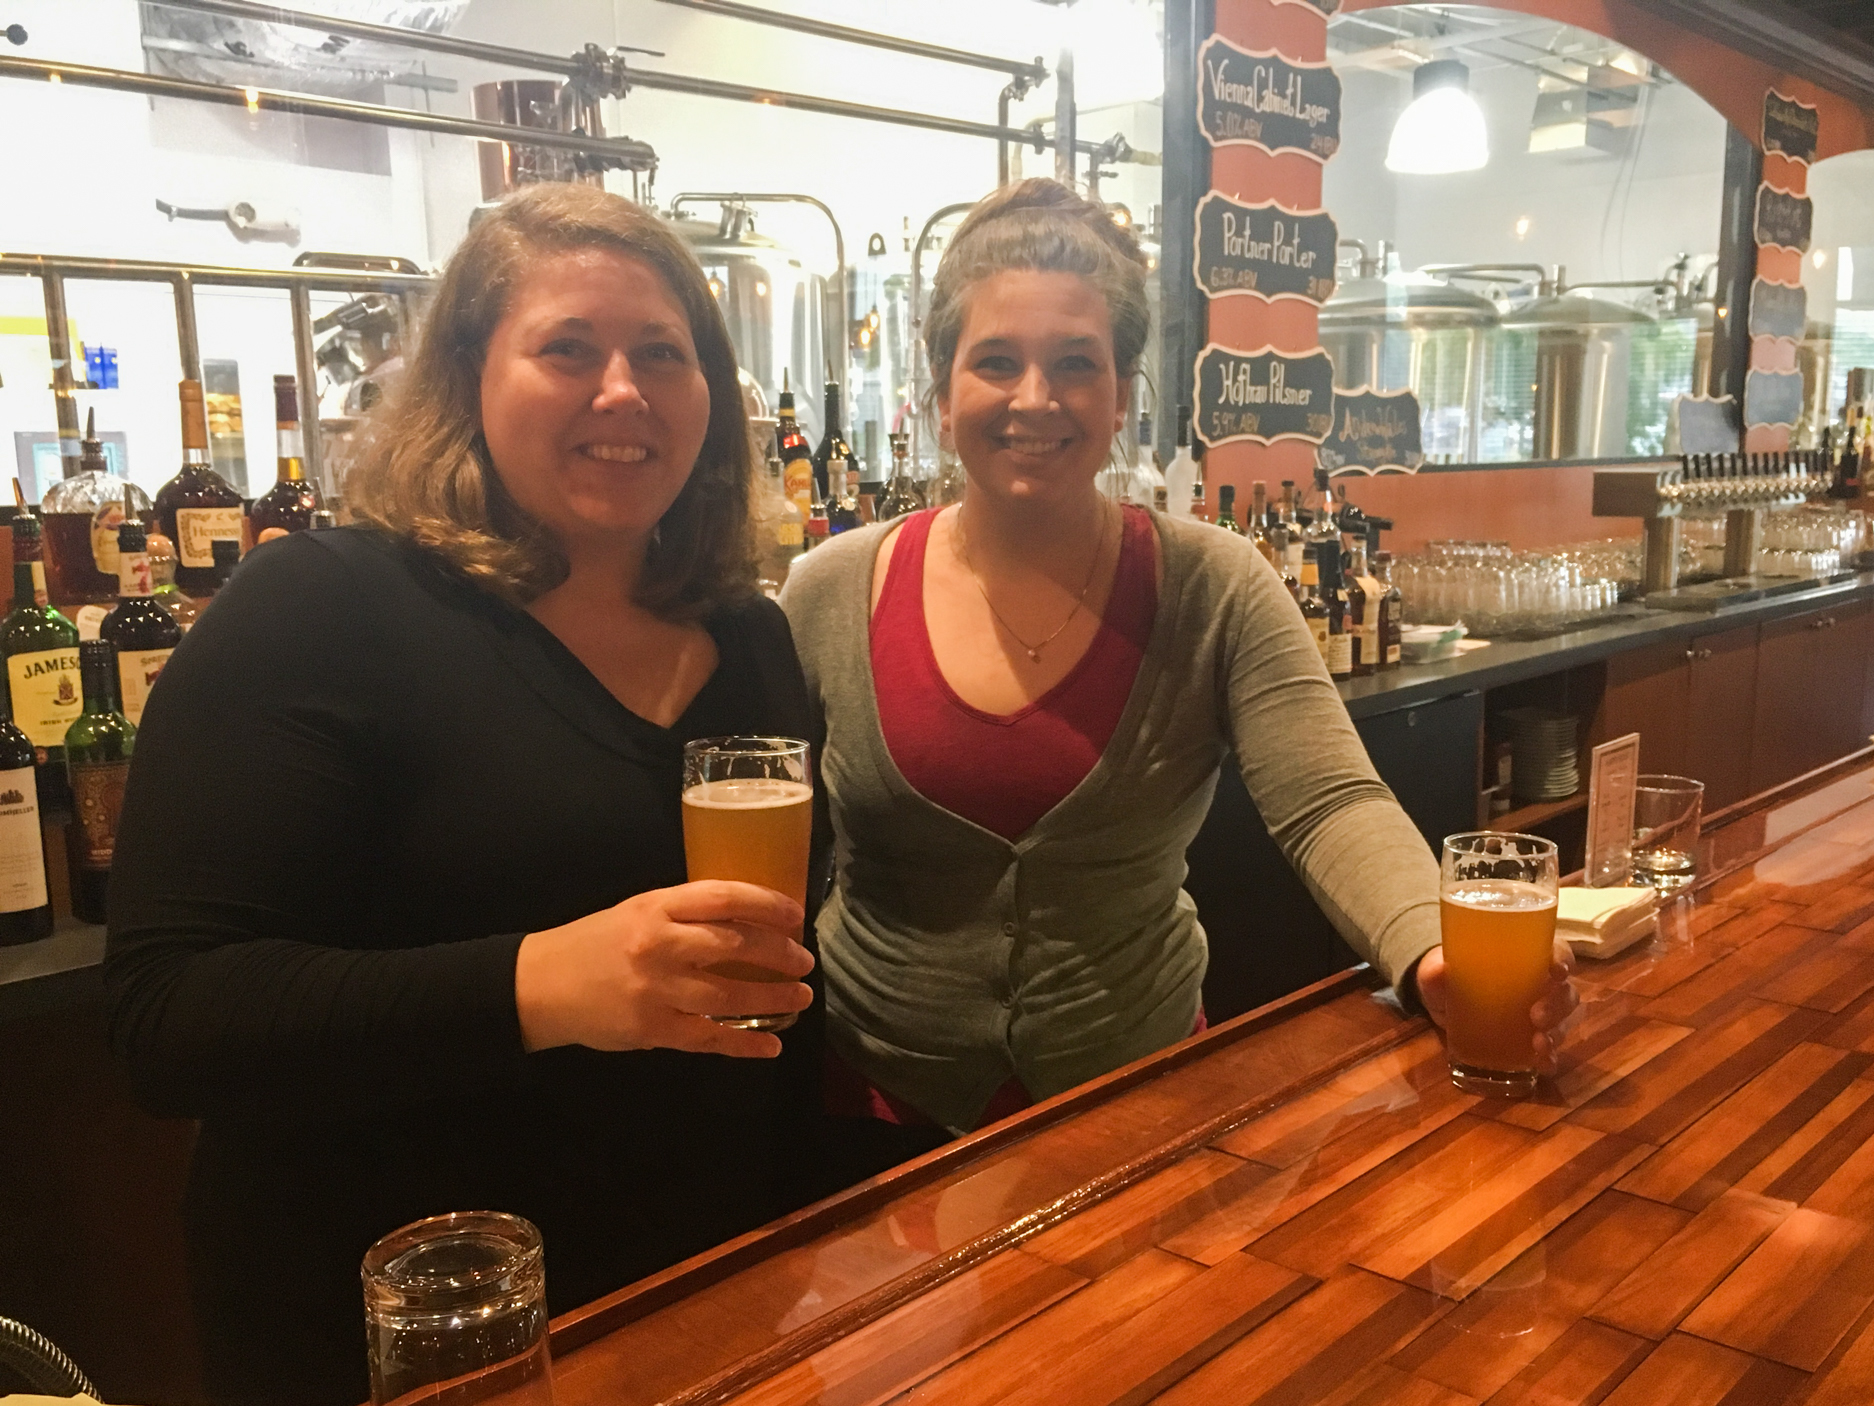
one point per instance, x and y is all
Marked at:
(1666, 813)
(456, 1305)
(748, 815)
(1496, 897)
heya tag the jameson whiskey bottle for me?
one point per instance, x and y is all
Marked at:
(144, 633)
(98, 745)
(25, 904)
(41, 651)
(288, 506)
(197, 508)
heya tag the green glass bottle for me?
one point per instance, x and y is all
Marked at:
(41, 651)
(97, 757)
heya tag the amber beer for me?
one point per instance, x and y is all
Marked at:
(1497, 904)
(748, 816)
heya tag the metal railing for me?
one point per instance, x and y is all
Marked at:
(299, 283)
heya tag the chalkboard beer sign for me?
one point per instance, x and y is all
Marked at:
(1783, 218)
(1267, 250)
(1263, 396)
(1790, 127)
(1373, 430)
(1246, 97)
(1773, 398)
(1777, 309)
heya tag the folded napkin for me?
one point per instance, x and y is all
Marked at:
(1602, 922)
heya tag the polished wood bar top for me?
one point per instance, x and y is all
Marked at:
(1298, 1207)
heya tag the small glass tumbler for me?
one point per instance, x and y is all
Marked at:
(1666, 813)
(1496, 899)
(748, 816)
(456, 1309)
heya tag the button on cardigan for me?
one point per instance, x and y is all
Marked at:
(955, 959)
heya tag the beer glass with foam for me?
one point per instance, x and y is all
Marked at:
(1497, 902)
(748, 815)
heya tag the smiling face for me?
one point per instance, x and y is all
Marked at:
(593, 403)
(1035, 397)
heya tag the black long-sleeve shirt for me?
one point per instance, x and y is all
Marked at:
(360, 782)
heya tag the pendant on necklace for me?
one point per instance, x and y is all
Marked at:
(1033, 654)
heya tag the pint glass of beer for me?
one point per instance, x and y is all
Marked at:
(748, 815)
(1497, 901)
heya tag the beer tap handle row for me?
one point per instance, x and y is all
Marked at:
(1744, 479)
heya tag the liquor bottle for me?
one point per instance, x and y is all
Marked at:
(842, 513)
(1226, 509)
(41, 650)
(1391, 612)
(25, 903)
(1333, 595)
(832, 446)
(1313, 607)
(226, 555)
(783, 531)
(1363, 596)
(1161, 499)
(144, 633)
(1324, 524)
(1278, 545)
(1291, 522)
(163, 581)
(80, 515)
(197, 508)
(98, 745)
(1144, 479)
(902, 494)
(796, 454)
(288, 506)
(1181, 473)
(1258, 524)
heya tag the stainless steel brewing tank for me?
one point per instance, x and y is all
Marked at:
(541, 103)
(1577, 351)
(1410, 331)
(775, 306)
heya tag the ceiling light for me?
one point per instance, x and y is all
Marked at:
(1442, 130)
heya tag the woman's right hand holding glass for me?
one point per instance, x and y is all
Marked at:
(636, 976)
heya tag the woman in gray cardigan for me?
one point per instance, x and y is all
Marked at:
(1027, 700)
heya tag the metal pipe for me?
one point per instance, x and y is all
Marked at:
(627, 154)
(595, 67)
(1034, 71)
(307, 367)
(919, 369)
(188, 343)
(1066, 125)
(1008, 95)
(64, 397)
(150, 271)
(839, 253)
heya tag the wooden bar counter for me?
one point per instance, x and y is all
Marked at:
(1297, 1207)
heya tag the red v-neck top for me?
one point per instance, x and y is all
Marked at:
(1005, 771)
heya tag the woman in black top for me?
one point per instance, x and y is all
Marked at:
(398, 908)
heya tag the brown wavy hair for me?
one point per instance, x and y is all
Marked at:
(1039, 224)
(425, 474)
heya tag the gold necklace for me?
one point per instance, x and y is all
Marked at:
(1033, 651)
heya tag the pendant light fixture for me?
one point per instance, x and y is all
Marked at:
(1442, 130)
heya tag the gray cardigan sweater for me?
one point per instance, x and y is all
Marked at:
(955, 958)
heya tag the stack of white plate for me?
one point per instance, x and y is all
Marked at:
(1544, 765)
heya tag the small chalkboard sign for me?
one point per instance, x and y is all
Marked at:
(1706, 424)
(1773, 398)
(1783, 218)
(1268, 250)
(1325, 7)
(1790, 127)
(1264, 395)
(1373, 430)
(1777, 310)
(1246, 97)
